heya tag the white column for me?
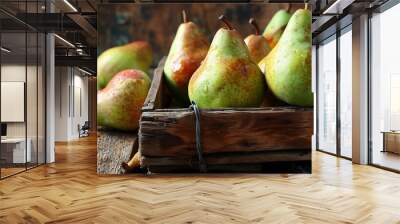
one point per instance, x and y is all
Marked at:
(50, 92)
(360, 90)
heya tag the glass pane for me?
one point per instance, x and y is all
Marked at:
(32, 88)
(327, 96)
(346, 94)
(31, 97)
(41, 99)
(14, 153)
(385, 81)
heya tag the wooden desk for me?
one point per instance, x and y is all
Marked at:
(391, 141)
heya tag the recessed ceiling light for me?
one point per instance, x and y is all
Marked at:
(338, 6)
(65, 41)
(70, 5)
(5, 49)
(84, 71)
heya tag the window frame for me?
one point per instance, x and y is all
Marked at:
(341, 27)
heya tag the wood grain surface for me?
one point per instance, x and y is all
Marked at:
(113, 149)
(167, 135)
(171, 133)
(119, 24)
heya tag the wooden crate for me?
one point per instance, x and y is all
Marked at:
(234, 139)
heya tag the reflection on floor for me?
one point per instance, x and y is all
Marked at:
(387, 159)
(70, 191)
(10, 171)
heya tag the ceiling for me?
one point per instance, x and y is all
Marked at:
(76, 22)
(72, 20)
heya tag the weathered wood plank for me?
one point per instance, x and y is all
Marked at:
(172, 133)
(267, 167)
(113, 149)
(230, 158)
(249, 109)
(154, 98)
(227, 168)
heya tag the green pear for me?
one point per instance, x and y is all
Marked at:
(287, 67)
(188, 50)
(136, 55)
(119, 103)
(273, 31)
(227, 77)
(257, 44)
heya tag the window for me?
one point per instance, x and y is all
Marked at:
(346, 92)
(385, 89)
(327, 95)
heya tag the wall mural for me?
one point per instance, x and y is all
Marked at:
(204, 88)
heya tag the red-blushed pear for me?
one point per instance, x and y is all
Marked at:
(273, 31)
(227, 77)
(136, 55)
(257, 44)
(188, 50)
(119, 103)
(288, 66)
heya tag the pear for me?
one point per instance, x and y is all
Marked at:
(119, 103)
(257, 44)
(287, 67)
(136, 55)
(227, 77)
(188, 50)
(276, 26)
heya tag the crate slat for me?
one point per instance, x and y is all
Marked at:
(250, 136)
(173, 134)
(154, 99)
(231, 158)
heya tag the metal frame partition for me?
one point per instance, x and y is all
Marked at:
(36, 33)
(337, 30)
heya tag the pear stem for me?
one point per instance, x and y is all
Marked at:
(288, 7)
(306, 5)
(226, 22)
(184, 16)
(253, 22)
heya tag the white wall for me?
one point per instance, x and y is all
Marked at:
(80, 110)
(9, 73)
(62, 81)
(71, 94)
(12, 73)
(34, 125)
